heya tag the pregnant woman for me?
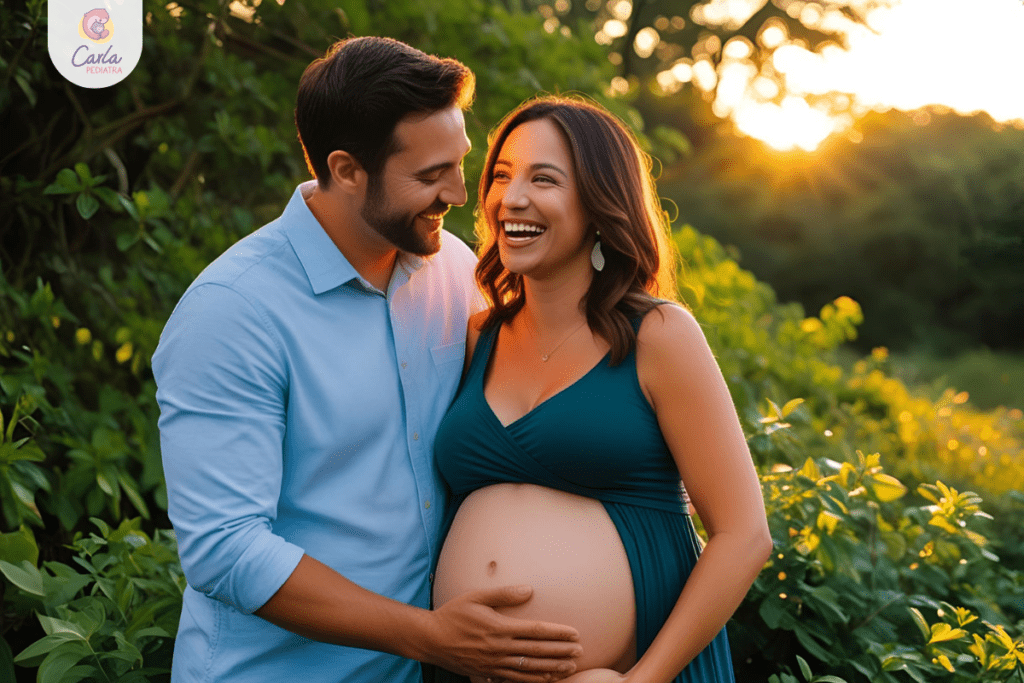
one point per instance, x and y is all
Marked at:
(585, 402)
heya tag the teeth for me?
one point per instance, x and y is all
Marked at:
(432, 217)
(523, 229)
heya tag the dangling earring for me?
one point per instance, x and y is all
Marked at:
(596, 257)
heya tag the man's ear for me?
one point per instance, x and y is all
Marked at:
(346, 172)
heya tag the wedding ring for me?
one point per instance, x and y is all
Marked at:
(522, 662)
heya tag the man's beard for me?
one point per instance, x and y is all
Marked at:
(397, 228)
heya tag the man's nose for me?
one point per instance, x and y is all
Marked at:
(454, 192)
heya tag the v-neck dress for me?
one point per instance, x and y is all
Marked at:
(598, 438)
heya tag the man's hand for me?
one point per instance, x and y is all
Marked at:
(471, 638)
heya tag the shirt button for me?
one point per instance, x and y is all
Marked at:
(415, 436)
(404, 364)
(431, 577)
(427, 504)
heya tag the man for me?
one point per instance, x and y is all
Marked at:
(301, 380)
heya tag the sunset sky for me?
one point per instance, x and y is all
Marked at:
(964, 55)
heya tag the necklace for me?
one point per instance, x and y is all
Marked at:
(544, 356)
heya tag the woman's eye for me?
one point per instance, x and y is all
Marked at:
(500, 175)
(544, 179)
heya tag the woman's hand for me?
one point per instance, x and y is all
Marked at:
(596, 676)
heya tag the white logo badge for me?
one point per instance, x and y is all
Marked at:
(95, 43)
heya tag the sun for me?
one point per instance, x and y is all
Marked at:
(957, 55)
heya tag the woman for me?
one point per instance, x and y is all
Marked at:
(580, 412)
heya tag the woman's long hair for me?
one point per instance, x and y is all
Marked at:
(616, 190)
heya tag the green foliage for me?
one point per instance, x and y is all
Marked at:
(921, 225)
(103, 624)
(859, 552)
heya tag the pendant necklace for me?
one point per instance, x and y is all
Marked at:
(544, 356)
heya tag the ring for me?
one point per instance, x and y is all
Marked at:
(522, 662)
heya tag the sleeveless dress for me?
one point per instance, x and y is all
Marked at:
(599, 438)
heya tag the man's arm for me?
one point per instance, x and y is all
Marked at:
(223, 387)
(465, 636)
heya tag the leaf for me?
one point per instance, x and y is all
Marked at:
(790, 406)
(810, 470)
(22, 82)
(807, 640)
(893, 663)
(131, 490)
(19, 546)
(126, 240)
(26, 576)
(6, 661)
(87, 205)
(129, 206)
(885, 487)
(59, 665)
(771, 611)
(66, 183)
(45, 645)
(82, 169)
(922, 625)
(943, 632)
(53, 625)
(828, 679)
(805, 668)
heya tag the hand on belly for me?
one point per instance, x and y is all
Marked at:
(563, 545)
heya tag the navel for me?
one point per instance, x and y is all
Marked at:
(492, 567)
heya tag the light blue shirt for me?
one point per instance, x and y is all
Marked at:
(298, 406)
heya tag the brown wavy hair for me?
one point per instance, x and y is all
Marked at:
(616, 190)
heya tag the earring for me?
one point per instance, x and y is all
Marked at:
(596, 257)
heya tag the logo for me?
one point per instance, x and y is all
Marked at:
(95, 26)
(95, 43)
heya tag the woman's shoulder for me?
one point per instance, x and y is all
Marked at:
(670, 344)
(664, 323)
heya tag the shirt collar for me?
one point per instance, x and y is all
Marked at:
(326, 267)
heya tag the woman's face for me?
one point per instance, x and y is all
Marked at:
(534, 206)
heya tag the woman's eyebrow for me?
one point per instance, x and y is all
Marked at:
(534, 167)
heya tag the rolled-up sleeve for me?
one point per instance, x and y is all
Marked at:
(222, 385)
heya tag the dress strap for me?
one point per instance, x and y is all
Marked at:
(482, 351)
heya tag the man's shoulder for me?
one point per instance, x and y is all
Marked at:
(262, 251)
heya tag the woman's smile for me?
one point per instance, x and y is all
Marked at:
(521, 233)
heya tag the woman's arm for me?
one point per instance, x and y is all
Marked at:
(681, 378)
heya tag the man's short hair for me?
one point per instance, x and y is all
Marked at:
(353, 97)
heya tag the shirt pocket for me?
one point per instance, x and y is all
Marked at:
(448, 353)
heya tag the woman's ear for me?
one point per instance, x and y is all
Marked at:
(346, 172)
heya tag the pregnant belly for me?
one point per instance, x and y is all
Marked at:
(563, 545)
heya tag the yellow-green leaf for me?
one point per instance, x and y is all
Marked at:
(886, 487)
(810, 470)
(943, 632)
(944, 661)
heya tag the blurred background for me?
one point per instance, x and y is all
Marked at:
(867, 148)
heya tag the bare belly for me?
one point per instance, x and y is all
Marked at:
(563, 545)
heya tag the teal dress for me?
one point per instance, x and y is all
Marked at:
(597, 438)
